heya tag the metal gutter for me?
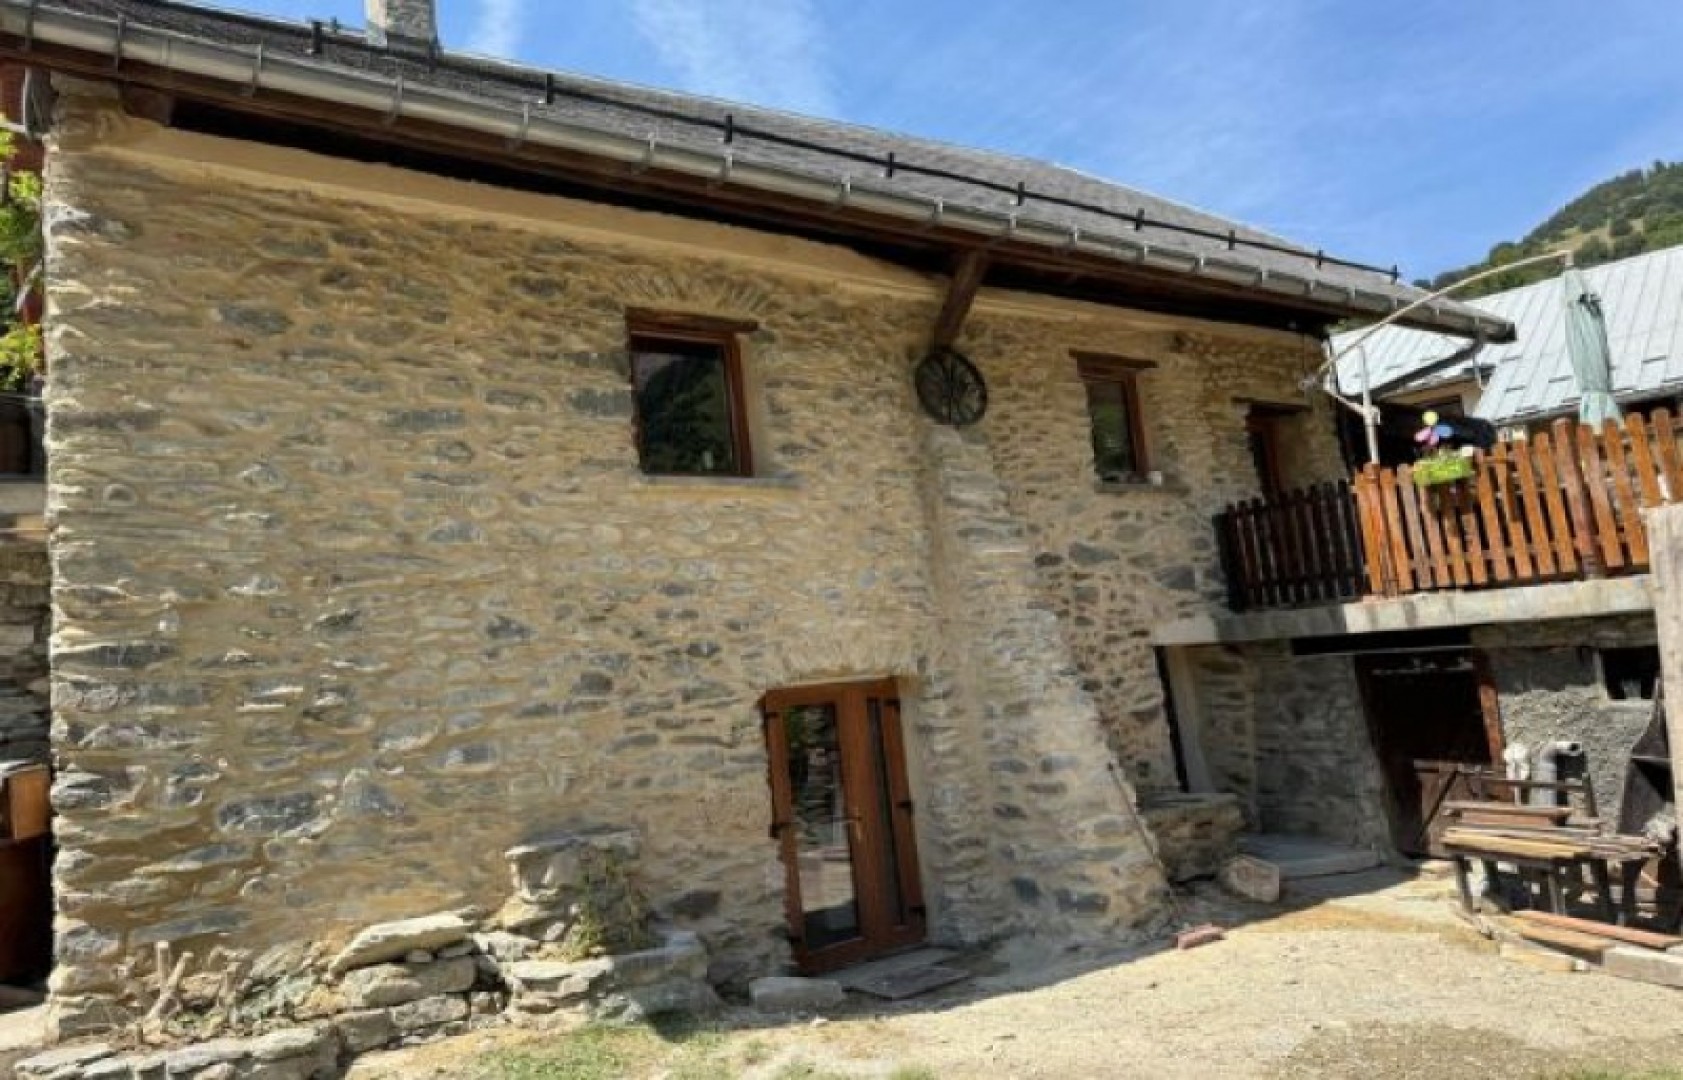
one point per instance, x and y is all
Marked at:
(254, 70)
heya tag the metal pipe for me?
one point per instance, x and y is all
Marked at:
(1548, 769)
(384, 95)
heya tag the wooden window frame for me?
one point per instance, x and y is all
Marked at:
(1122, 373)
(648, 326)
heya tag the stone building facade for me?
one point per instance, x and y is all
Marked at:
(357, 582)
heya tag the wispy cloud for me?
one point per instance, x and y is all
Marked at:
(769, 52)
(497, 28)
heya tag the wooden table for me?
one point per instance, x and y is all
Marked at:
(1554, 862)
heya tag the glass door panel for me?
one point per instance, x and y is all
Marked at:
(822, 825)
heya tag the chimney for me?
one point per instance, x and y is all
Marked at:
(402, 22)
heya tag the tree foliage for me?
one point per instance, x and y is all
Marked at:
(1634, 212)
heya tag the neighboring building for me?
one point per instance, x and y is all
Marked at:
(445, 455)
(1528, 381)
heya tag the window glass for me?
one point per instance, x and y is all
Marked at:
(688, 412)
(1115, 446)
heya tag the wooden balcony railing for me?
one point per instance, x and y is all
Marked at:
(1563, 505)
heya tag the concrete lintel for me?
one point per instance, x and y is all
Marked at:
(1426, 611)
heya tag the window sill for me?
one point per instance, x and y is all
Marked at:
(725, 483)
(1134, 487)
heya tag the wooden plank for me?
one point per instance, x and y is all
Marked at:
(1577, 498)
(1325, 544)
(1511, 810)
(1279, 561)
(1671, 469)
(1570, 940)
(1647, 476)
(1601, 507)
(1391, 487)
(1416, 538)
(1352, 539)
(1308, 543)
(1448, 499)
(1629, 511)
(1466, 503)
(1630, 935)
(1531, 499)
(1374, 550)
(1511, 513)
(1560, 524)
(1441, 577)
(1335, 499)
(1290, 560)
(1496, 549)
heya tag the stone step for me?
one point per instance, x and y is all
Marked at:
(1299, 857)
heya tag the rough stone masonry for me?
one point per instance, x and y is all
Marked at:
(357, 583)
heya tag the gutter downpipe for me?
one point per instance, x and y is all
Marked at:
(253, 70)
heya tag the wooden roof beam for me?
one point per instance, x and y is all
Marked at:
(966, 281)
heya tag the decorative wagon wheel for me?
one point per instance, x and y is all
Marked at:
(950, 388)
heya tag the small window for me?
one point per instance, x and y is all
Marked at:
(1631, 674)
(1113, 413)
(691, 419)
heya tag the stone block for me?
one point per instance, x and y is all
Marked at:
(290, 1043)
(195, 1059)
(547, 870)
(429, 1013)
(395, 984)
(783, 993)
(365, 1030)
(691, 997)
(1251, 878)
(1644, 965)
(394, 940)
(64, 1060)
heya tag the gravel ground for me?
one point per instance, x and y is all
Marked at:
(1380, 983)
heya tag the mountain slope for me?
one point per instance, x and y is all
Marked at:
(1637, 211)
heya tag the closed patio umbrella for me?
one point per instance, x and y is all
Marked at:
(1586, 342)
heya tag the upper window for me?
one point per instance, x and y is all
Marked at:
(1113, 413)
(691, 416)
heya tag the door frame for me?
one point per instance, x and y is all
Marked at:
(881, 930)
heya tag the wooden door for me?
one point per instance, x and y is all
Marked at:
(1431, 718)
(842, 814)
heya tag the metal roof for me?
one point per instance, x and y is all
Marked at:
(1532, 376)
(1018, 192)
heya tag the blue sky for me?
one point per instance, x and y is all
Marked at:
(1418, 133)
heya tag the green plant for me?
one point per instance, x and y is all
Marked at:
(20, 252)
(20, 356)
(1443, 468)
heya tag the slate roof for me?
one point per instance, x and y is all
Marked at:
(1642, 297)
(973, 179)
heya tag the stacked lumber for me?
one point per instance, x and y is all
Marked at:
(1552, 842)
(1628, 935)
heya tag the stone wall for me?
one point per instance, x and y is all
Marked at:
(25, 622)
(358, 583)
(1289, 736)
(1549, 687)
(1116, 561)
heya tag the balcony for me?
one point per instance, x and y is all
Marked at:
(1563, 505)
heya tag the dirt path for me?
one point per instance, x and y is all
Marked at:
(1378, 985)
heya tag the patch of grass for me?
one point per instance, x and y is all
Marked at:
(674, 1050)
(589, 1054)
(913, 1072)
